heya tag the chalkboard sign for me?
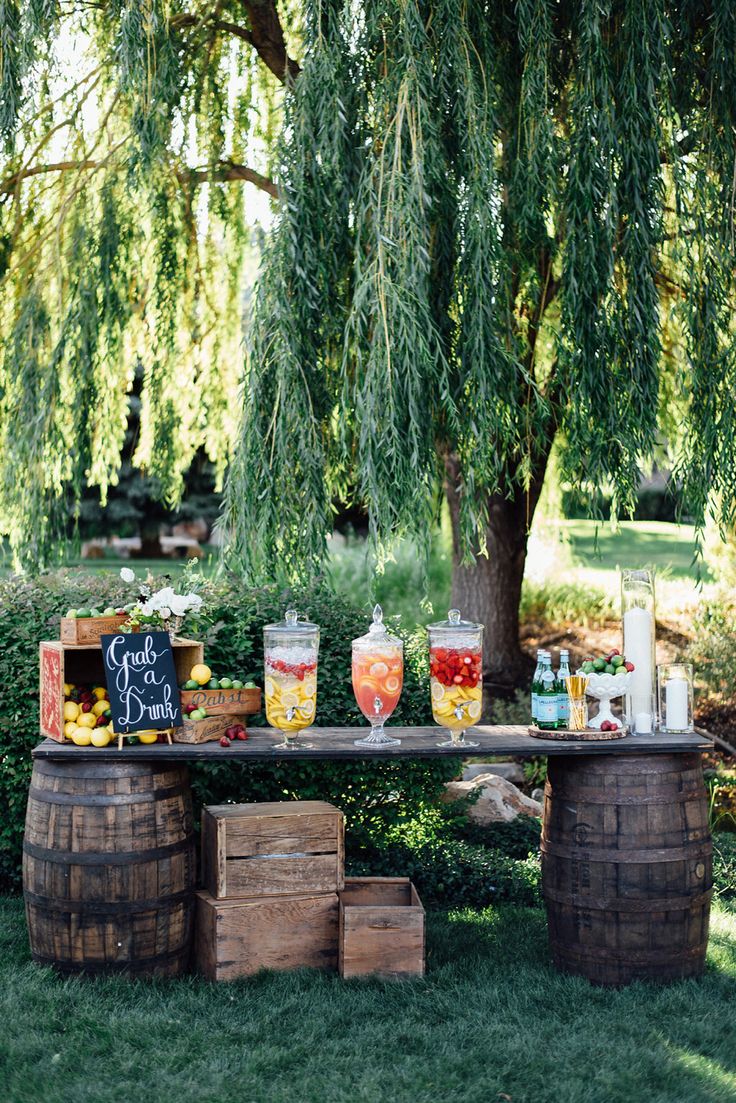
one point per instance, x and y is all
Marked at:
(141, 681)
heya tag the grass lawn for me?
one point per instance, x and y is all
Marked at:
(491, 1021)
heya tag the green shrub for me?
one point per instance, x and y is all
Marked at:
(451, 872)
(376, 796)
(557, 603)
(724, 865)
(712, 651)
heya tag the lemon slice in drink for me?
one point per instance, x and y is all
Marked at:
(309, 687)
(307, 709)
(271, 687)
(289, 700)
(474, 709)
(438, 691)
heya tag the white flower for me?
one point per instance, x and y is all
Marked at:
(127, 575)
(146, 609)
(179, 605)
(164, 612)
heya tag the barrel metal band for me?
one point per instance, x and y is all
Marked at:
(610, 955)
(134, 965)
(702, 849)
(92, 800)
(601, 796)
(119, 908)
(618, 904)
(107, 858)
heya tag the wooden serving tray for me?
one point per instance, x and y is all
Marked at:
(590, 734)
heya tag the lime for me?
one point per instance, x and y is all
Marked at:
(226, 683)
(599, 665)
(213, 684)
(83, 613)
(191, 684)
(237, 684)
(71, 614)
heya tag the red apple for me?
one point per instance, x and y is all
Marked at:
(224, 742)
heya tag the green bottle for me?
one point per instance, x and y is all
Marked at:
(563, 697)
(535, 684)
(547, 696)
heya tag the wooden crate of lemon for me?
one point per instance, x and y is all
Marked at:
(204, 691)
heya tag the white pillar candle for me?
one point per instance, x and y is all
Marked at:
(639, 648)
(676, 702)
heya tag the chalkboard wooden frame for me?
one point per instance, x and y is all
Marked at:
(142, 683)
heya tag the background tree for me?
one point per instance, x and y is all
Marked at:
(503, 225)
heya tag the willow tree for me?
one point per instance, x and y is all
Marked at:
(500, 225)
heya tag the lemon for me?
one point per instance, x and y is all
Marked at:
(68, 687)
(110, 728)
(307, 709)
(147, 736)
(100, 737)
(200, 673)
(71, 710)
(86, 720)
(438, 691)
(69, 728)
(99, 707)
(271, 687)
(82, 737)
(310, 687)
(289, 700)
(474, 710)
(100, 693)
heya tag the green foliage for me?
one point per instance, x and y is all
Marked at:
(566, 602)
(724, 865)
(712, 650)
(522, 196)
(455, 873)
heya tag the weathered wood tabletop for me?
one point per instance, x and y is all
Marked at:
(416, 742)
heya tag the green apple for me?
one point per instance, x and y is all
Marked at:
(226, 683)
(250, 685)
(617, 660)
(237, 684)
(599, 665)
(109, 612)
(83, 613)
(94, 612)
(71, 614)
(213, 684)
(191, 684)
(610, 668)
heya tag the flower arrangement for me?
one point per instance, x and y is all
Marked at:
(162, 609)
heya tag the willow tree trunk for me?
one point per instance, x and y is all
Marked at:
(488, 589)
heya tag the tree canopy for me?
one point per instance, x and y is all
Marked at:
(499, 224)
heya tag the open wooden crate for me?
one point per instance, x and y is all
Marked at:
(79, 631)
(82, 664)
(230, 702)
(381, 928)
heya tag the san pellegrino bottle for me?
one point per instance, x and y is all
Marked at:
(563, 698)
(547, 696)
(535, 683)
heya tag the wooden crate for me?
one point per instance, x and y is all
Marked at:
(272, 849)
(204, 731)
(82, 663)
(86, 630)
(381, 928)
(230, 702)
(236, 938)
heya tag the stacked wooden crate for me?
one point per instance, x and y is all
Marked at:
(275, 897)
(272, 873)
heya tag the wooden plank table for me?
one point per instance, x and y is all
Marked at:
(417, 742)
(626, 847)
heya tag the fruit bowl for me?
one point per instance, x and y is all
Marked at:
(605, 687)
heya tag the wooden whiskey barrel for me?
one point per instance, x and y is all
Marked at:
(109, 867)
(627, 866)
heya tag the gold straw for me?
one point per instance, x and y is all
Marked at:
(576, 687)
